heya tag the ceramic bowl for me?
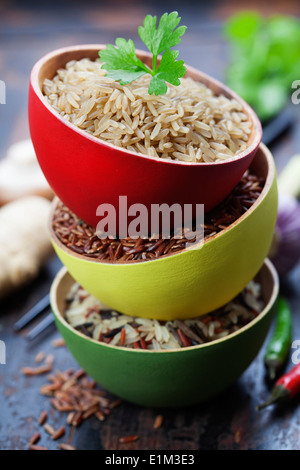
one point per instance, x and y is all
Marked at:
(192, 282)
(168, 378)
(85, 171)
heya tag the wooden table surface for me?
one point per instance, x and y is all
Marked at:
(27, 31)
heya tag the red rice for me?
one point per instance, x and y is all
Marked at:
(81, 238)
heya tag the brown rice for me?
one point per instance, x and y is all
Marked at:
(189, 123)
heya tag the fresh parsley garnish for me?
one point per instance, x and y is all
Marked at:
(123, 65)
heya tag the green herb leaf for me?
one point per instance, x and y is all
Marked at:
(122, 63)
(165, 36)
(169, 70)
(243, 26)
(125, 76)
(265, 59)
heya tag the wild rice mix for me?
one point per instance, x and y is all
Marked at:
(90, 317)
(81, 238)
(189, 123)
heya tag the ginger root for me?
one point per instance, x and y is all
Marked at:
(20, 174)
(24, 241)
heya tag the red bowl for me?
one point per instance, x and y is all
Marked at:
(85, 171)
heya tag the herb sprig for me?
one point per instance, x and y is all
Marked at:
(123, 65)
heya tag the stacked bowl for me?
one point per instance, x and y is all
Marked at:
(85, 171)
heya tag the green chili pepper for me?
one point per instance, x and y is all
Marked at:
(279, 345)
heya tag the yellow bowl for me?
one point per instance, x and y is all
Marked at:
(194, 281)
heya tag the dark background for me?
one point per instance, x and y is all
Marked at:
(27, 31)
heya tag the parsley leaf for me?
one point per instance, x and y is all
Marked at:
(169, 70)
(165, 36)
(123, 65)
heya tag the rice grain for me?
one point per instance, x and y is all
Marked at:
(85, 97)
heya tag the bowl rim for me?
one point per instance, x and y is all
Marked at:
(34, 82)
(63, 272)
(271, 173)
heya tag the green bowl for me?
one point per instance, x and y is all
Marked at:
(195, 281)
(174, 378)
